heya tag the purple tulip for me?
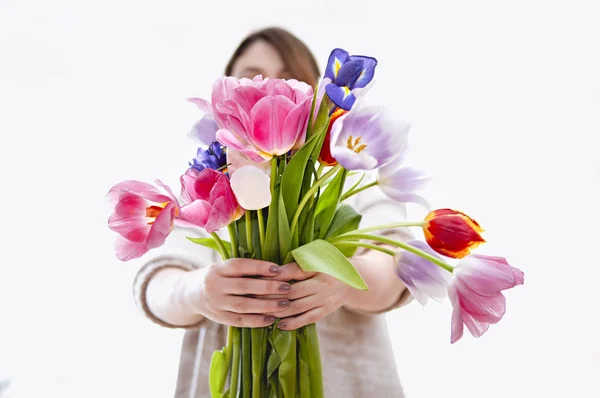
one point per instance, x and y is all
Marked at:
(368, 137)
(422, 278)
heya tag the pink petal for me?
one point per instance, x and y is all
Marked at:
(203, 104)
(130, 205)
(143, 189)
(235, 118)
(268, 116)
(229, 140)
(205, 182)
(488, 309)
(187, 180)
(161, 227)
(279, 87)
(488, 275)
(133, 229)
(127, 250)
(456, 332)
(196, 213)
(476, 328)
(247, 97)
(220, 215)
(296, 122)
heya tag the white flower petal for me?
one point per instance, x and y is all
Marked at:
(252, 187)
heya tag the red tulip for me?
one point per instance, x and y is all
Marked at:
(452, 233)
(325, 156)
(143, 217)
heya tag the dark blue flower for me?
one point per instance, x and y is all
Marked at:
(347, 72)
(214, 157)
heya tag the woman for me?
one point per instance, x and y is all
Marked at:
(187, 287)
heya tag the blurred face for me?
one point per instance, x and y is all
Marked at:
(260, 58)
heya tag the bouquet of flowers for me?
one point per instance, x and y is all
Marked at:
(273, 171)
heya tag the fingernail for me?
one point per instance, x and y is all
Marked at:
(282, 325)
(285, 287)
(275, 269)
(283, 303)
(269, 319)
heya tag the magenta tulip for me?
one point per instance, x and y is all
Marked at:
(476, 293)
(143, 217)
(208, 201)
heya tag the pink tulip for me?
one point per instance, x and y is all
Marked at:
(261, 118)
(143, 217)
(476, 293)
(209, 202)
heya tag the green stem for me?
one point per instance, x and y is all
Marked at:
(401, 245)
(388, 226)
(261, 229)
(320, 169)
(355, 191)
(234, 241)
(273, 172)
(227, 355)
(246, 363)
(249, 231)
(314, 362)
(366, 245)
(220, 245)
(235, 366)
(309, 194)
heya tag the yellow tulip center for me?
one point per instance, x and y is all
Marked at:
(355, 145)
(154, 210)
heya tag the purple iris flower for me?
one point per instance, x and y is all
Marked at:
(214, 157)
(347, 73)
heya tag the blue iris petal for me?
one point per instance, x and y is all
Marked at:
(349, 74)
(340, 96)
(214, 157)
(337, 58)
(368, 71)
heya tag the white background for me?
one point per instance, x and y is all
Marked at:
(504, 98)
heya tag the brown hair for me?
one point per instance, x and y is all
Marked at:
(296, 56)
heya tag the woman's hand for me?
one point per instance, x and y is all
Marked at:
(230, 292)
(313, 296)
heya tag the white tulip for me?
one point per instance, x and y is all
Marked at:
(252, 187)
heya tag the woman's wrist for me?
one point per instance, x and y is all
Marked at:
(168, 297)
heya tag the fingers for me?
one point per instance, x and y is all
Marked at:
(300, 306)
(247, 305)
(237, 267)
(306, 288)
(307, 318)
(258, 287)
(247, 320)
(292, 272)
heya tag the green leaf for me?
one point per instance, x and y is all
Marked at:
(322, 256)
(210, 243)
(328, 202)
(285, 237)
(217, 373)
(259, 355)
(298, 165)
(303, 368)
(345, 219)
(284, 343)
